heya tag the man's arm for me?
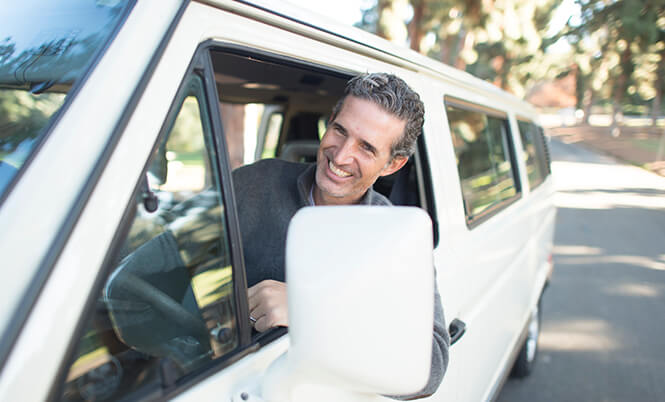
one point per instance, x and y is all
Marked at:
(440, 345)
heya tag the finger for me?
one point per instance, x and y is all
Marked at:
(254, 295)
(252, 290)
(253, 301)
(262, 291)
(272, 319)
(259, 311)
(262, 324)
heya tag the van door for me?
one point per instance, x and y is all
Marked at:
(488, 235)
(168, 314)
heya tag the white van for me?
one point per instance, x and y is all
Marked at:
(121, 122)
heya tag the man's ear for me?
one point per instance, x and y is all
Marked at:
(394, 165)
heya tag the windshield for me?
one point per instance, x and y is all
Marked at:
(45, 49)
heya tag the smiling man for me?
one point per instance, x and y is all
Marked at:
(355, 151)
(371, 133)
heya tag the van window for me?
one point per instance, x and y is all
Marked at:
(535, 152)
(271, 135)
(167, 307)
(485, 159)
(272, 107)
(286, 106)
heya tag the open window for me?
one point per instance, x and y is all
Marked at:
(274, 107)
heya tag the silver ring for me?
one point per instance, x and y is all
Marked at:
(252, 319)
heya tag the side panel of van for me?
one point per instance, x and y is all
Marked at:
(487, 268)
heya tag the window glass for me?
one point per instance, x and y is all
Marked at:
(483, 154)
(272, 135)
(534, 166)
(322, 126)
(45, 46)
(167, 307)
(543, 150)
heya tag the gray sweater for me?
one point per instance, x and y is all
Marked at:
(268, 193)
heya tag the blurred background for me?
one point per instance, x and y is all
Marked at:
(594, 68)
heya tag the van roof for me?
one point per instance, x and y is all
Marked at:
(297, 19)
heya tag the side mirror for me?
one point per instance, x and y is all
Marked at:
(360, 292)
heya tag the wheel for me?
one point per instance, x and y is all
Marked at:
(525, 360)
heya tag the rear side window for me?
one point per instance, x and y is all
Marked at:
(536, 154)
(485, 159)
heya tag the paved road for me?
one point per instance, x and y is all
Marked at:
(603, 334)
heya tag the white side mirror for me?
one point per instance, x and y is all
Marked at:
(361, 303)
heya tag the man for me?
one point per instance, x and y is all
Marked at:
(371, 133)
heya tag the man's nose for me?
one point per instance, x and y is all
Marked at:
(344, 153)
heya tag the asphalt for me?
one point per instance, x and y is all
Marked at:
(602, 333)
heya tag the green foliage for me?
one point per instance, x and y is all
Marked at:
(22, 117)
(617, 47)
(187, 133)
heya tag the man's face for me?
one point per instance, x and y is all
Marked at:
(355, 151)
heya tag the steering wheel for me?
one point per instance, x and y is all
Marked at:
(162, 303)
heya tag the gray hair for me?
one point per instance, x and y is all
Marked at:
(394, 96)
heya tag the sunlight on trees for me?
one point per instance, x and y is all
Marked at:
(614, 49)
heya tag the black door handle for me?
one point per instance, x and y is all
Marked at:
(456, 329)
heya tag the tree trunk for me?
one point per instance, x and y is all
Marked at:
(463, 44)
(587, 103)
(381, 6)
(390, 25)
(448, 49)
(620, 90)
(416, 28)
(498, 63)
(656, 105)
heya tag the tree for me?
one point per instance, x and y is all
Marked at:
(624, 31)
(390, 24)
(487, 38)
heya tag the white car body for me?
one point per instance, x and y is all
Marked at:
(65, 212)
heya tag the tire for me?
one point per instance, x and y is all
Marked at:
(527, 356)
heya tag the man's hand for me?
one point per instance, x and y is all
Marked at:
(268, 305)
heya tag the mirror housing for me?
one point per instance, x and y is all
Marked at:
(361, 306)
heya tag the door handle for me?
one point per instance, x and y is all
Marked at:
(456, 329)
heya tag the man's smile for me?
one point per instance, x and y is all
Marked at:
(337, 171)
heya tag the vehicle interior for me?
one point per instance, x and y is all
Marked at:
(295, 102)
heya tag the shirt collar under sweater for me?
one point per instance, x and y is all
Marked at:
(306, 189)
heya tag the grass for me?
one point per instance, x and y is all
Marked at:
(647, 143)
(194, 158)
